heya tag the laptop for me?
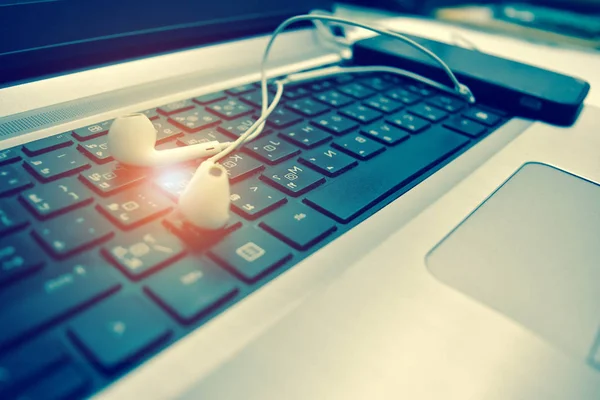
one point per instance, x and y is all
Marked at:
(387, 241)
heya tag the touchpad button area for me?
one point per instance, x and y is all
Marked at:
(532, 252)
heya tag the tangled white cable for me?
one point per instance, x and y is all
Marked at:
(205, 201)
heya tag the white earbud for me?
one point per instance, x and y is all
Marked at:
(205, 200)
(131, 141)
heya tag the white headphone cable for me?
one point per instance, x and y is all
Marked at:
(267, 108)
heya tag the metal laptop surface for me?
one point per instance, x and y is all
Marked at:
(388, 328)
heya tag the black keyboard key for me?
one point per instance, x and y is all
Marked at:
(335, 123)
(385, 133)
(250, 253)
(132, 208)
(119, 330)
(383, 104)
(230, 109)
(12, 180)
(342, 78)
(31, 361)
(299, 226)
(62, 383)
(295, 92)
(191, 288)
(193, 120)
(75, 231)
(113, 177)
(175, 107)
(403, 96)
(207, 135)
(354, 192)
(19, 256)
(465, 126)
(360, 113)
(482, 116)
(272, 150)
(141, 253)
(241, 89)
(173, 183)
(359, 146)
(408, 122)
(376, 82)
(333, 98)
(292, 178)
(62, 291)
(238, 127)
(356, 90)
(210, 98)
(47, 144)
(421, 89)
(55, 198)
(320, 86)
(240, 166)
(9, 155)
(92, 131)
(430, 113)
(12, 216)
(447, 103)
(251, 199)
(282, 117)
(151, 113)
(57, 164)
(307, 107)
(254, 98)
(165, 131)
(393, 78)
(305, 135)
(96, 149)
(328, 161)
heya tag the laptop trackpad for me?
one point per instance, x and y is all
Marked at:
(532, 251)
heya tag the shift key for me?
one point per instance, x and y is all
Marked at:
(362, 187)
(39, 302)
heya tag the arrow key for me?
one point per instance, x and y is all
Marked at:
(251, 199)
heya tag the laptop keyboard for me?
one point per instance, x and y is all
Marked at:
(99, 272)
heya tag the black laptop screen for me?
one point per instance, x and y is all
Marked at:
(41, 38)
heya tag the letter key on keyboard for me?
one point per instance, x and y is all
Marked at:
(190, 288)
(119, 329)
(67, 234)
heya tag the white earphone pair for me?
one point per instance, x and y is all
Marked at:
(205, 201)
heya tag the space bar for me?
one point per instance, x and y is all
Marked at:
(359, 189)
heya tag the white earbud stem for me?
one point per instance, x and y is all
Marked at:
(131, 141)
(205, 200)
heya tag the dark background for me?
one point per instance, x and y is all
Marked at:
(39, 39)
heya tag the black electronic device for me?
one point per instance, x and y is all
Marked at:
(520, 89)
